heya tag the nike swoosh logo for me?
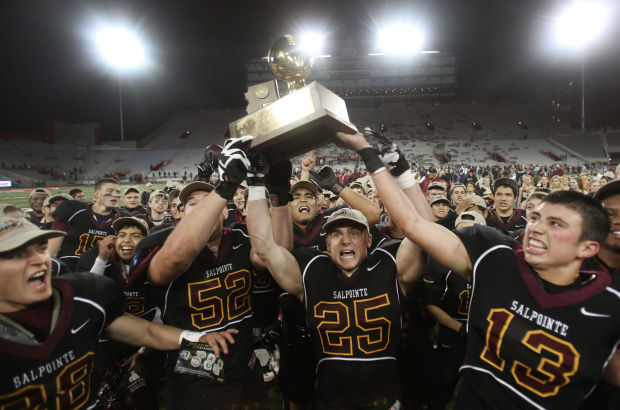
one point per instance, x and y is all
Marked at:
(237, 246)
(586, 313)
(374, 266)
(74, 331)
(322, 233)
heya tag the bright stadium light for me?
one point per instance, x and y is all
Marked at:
(120, 47)
(122, 50)
(581, 23)
(400, 39)
(311, 43)
(577, 27)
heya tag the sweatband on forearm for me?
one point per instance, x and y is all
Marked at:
(370, 156)
(406, 180)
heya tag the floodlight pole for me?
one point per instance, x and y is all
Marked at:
(583, 90)
(120, 105)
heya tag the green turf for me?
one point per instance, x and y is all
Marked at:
(21, 198)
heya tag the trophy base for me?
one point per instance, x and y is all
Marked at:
(299, 122)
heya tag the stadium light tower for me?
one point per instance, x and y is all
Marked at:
(576, 28)
(121, 49)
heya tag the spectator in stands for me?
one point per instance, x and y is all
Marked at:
(543, 182)
(504, 217)
(470, 188)
(534, 200)
(157, 208)
(526, 188)
(594, 186)
(429, 178)
(555, 183)
(146, 194)
(435, 190)
(457, 194)
(484, 185)
(576, 184)
(36, 200)
(131, 202)
(77, 194)
(49, 206)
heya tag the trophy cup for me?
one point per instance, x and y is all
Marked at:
(301, 120)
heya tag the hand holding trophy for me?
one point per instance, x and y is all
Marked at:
(303, 119)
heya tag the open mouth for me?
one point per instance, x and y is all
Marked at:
(38, 279)
(126, 250)
(347, 254)
(303, 209)
(535, 246)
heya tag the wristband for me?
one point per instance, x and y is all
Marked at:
(281, 199)
(370, 156)
(226, 189)
(406, 180)
(337, 188)
(256, 193)
(189, 335)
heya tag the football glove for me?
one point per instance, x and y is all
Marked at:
(233, 166)
(278, 184)
(327, 179)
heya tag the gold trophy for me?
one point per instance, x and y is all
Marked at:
(301, 120)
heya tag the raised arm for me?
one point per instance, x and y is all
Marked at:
(192, 234)
(279, 261)
(434, 239)
(326, 179)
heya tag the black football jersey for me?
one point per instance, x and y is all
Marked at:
(531, 343)
(515, 223)
(214, 294)
(84, 230)
(57, 373)
(314, 235)
(450, 292)
(355, 324)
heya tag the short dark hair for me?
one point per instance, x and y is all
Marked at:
(124, 224)
(595, 222)
(75, 191)
(103, 181)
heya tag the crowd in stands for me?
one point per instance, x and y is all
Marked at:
(316, 287)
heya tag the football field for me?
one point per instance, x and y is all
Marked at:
(19, 197)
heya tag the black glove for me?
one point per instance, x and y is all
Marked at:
(233, 166)
(327, 179)
(256, 172)
(210, 163)
(391, 156)
(205, 170)
(278, 183)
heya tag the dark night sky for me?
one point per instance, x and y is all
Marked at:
(198, 48)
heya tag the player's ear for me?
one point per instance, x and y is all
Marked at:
(588, 249)
(369, 242)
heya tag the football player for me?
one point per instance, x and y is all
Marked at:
(541, 333)
(85, 223)
(206, 270)
(131, 202)
(35, 200)
(504, 216)
(352, 300)
(50, 327)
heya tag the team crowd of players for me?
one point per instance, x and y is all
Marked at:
(479, 289)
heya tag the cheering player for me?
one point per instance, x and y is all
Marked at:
(541, 333)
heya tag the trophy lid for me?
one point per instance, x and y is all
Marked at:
(289, 63)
